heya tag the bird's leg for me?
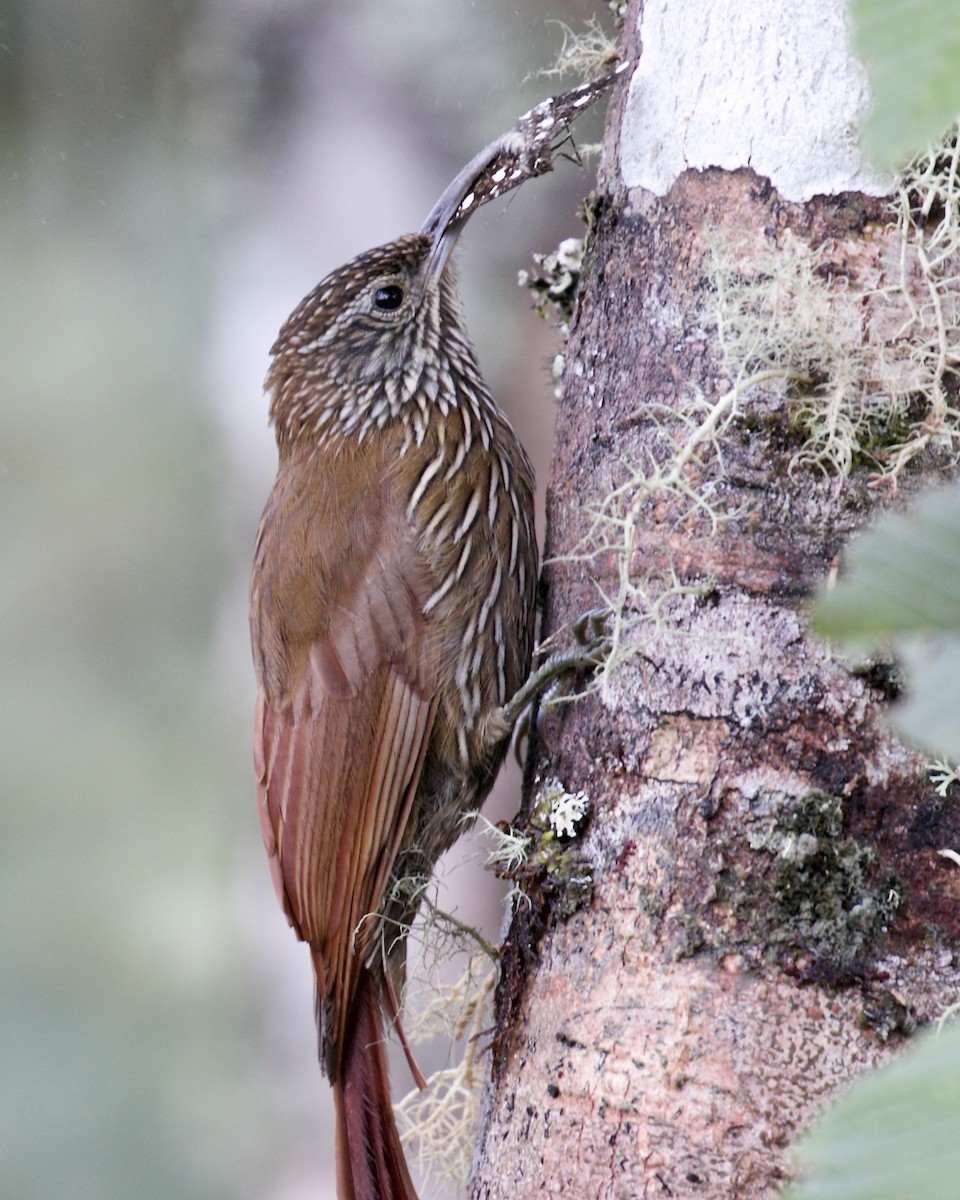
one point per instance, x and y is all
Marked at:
(592, 645)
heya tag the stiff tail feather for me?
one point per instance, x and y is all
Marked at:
(370, 1159)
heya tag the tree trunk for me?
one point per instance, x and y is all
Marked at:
(752, 912)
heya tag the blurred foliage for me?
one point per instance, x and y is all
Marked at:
(911, 49)
(130, 1023)
(901, 590)
(122, 1023)
(894, 1135)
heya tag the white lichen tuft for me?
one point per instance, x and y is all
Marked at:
(567, 810)
(440, 1123)
(587, 55)
(507, 848)
(559, 272)
(943, 775)
(555, 284)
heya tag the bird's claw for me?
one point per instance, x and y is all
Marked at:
(546, 685)
(590, 625)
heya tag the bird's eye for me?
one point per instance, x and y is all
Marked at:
(388, 298)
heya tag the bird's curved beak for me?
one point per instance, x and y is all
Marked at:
(444, 241)
(452, 211)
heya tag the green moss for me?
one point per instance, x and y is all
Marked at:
(823, 896)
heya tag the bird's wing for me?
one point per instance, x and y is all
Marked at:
(339, 744)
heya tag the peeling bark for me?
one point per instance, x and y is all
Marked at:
(768, 916)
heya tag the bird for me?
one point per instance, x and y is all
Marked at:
(392, 615)
(392, 620)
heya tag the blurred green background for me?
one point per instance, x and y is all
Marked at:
(173, 178)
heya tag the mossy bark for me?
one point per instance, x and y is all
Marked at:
(768, 916)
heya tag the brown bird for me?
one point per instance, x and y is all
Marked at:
(392, 619)
(392, 616)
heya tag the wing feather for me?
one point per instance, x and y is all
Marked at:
(342, 727)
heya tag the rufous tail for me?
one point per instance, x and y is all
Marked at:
(370, 1159)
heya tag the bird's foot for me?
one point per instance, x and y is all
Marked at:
(547, 685)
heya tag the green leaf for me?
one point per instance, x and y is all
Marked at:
(893, 1136)
(911, 49)
(902, 576)
(930, 714)
(901, 586)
